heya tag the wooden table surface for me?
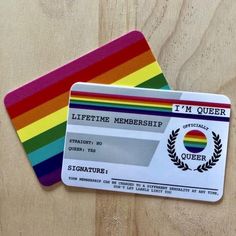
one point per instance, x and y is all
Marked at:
(195, 43)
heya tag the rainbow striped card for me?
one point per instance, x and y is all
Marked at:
(38, 109)
(146, 141)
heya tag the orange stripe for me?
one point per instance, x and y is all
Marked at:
(196, 137)
(41, 111)
(124, 69)
(118, 100)
(62, 100)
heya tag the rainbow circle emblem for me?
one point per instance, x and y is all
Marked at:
(195, 141)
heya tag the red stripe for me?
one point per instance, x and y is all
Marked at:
(195, 136)
(72, 67)
(140, 99)
(82, 76)
(195, 133)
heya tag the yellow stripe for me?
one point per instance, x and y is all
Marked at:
(140, 76)
(59, 116)
(43, 124)
(195, 140)
(117, 102)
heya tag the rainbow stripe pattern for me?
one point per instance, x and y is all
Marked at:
(139, 105)
(118, 103)
(195, 141)
(38, 109)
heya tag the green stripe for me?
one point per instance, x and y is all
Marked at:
(194, 145)
(45, 138)
(104, 104)
(46, 152)
(157, 82)
(201, 142)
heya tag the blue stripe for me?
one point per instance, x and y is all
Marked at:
(146, 112)
(48, 166)
(194, 149)
(46, 151)
(166, 87)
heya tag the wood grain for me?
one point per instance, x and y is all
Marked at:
(195, 43)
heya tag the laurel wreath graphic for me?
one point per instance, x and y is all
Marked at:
(182, 165)
(215, 157)
(172, 153)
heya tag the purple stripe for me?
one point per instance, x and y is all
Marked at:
(150, 112)
(72, 67)
(49, 165)
(52, 178)
(194, 149)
